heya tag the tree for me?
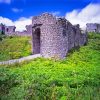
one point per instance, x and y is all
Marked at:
(2, 31)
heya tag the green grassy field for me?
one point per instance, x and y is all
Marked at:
(75, 78)
(14, 47)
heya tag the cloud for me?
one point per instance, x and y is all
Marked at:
(5, 1)
(89, 14)
(20, 23)
(6, 21)
(16, 10)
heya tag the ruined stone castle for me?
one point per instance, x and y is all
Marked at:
(10, 30)
(52, 37)
(93, 27)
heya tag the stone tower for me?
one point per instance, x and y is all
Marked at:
(53, 37)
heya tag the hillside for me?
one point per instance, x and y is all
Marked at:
(13, 47)
(75, 78)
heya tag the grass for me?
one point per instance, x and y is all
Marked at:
(14, 47)
(75, 78)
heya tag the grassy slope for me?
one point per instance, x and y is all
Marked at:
(14, 47)
(75, 78)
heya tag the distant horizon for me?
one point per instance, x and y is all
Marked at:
(20, 12)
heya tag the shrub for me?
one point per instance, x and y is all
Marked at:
(93, 35)
(2, 35)
(15, 55)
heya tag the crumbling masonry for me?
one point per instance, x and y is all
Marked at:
(54, 37)
(10, 30)
(93, 27)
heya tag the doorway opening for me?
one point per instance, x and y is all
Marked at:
(36, 41)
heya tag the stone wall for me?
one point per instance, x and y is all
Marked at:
(93, 27)
(56, 36)
(29, 29)
(10, 30)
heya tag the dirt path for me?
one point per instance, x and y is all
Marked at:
(20, 60)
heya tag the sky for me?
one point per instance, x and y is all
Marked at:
(20, 12)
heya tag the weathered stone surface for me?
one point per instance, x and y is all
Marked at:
(10, 30)
(93, 27)
(29, 29)
(54, 37)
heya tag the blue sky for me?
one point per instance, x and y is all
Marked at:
(15, 10)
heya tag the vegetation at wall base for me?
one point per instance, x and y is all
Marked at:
(75, 78)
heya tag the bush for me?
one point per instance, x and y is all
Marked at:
(93, 35)
(2, 35)
(15, 55)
